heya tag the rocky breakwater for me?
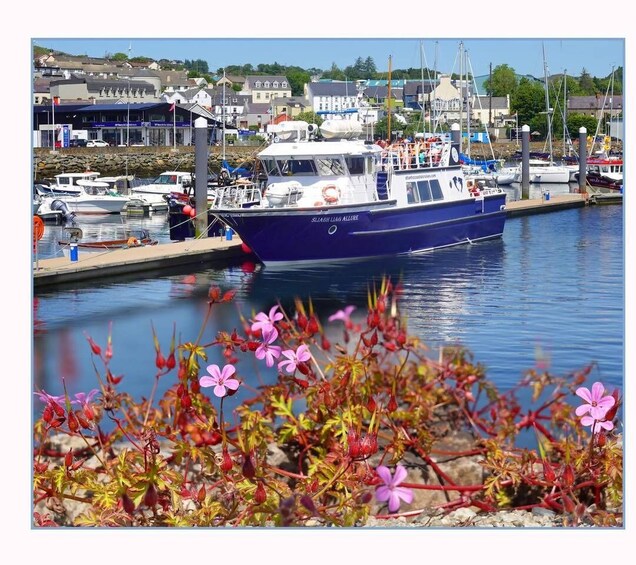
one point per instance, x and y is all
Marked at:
(141, 162)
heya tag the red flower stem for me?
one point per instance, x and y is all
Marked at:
(460, 488)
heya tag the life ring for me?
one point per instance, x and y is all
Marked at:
(38, 228)
(331, 193)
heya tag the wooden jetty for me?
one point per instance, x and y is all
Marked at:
(129, 260)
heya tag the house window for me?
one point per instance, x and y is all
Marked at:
(284, 85)
(257, 84)
(258, 96)
(275, 84)
(266, 84)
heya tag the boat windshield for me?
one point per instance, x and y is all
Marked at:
(166, 179)
(296, 167)
(330, 166)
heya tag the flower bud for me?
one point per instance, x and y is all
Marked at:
(73, 423)
(548, 472)
(326, 344)
(201, 494)
(171, 362)
(59, 411)
(151, 497)
(68, 458)
(308, 503)
(160, 362)
(226, 461)
(392, 406)
(260, 495)
(567, 477)
(127, 504)
(248, 470)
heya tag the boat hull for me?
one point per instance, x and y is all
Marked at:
(278, 236)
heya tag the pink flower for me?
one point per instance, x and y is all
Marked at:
(597, 404)
(220, 379)
(391, 490)
(46, 397)
(266, 350)
(84, 399)
(301, 355)
(597, 424)
(264, 321)
(344, 315)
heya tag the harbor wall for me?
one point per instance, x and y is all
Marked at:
(141, 162)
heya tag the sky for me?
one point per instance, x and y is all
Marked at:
(415, 21)
(595, 55)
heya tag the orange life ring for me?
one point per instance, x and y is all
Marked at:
(38, 228)
(331, 193)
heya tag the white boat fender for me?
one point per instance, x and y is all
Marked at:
(331, 193)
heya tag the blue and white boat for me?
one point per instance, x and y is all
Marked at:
(330, 195)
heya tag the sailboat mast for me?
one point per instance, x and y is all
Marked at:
(565, 107)
(547, 104)
(389, 103)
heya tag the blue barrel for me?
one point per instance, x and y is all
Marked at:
(547, 195)
(228, 234)
(74, 253)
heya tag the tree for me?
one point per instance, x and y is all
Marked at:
(297, 78)
(577, 121)
(528, 100)
(335, 73)
(198, 65)
(310, 117)
(119, 57)
(503, 81)
(587, 84)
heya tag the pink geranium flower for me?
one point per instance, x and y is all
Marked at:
(597, 404)
(597, 424)
(344, 315)
(46, 397)
(221, 380)
(293, 358)
(391, 489)
(84, 399)
(266, 350)
(264, 321)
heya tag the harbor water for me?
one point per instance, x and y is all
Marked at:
(549, 294)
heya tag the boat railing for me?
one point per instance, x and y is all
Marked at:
(414, 155)
(236, 196)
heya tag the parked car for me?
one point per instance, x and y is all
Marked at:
(77, 143)
(97, 143)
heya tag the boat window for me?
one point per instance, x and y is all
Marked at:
(436, 190)
(289, 167)
(270, 167)
(424, 190)
(411, 192)
(329, 166)
(355, 165)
